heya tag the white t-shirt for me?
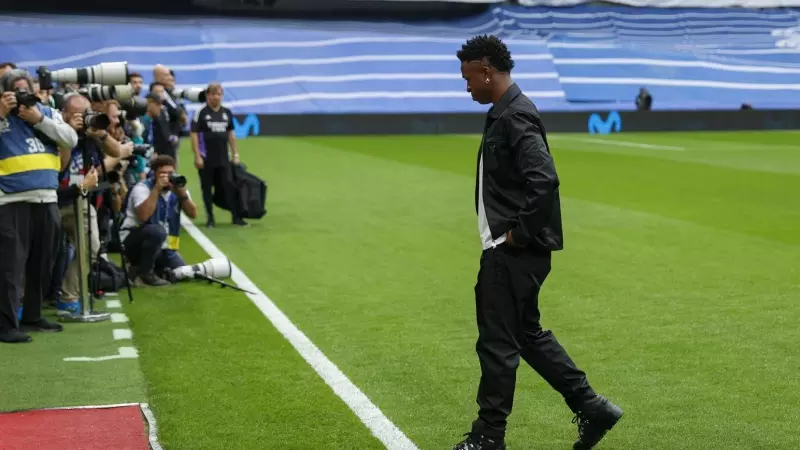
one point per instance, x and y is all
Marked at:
(138, 195)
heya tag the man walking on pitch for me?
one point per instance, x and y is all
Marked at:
(519, 221)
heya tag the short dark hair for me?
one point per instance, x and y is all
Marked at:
(8, 64)
(161, 161)
(487, 47)
(133, 75)
(156, 83)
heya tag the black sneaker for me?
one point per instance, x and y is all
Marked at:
(42, 325)
(211, 223)
(152, 279)
(240, 222)
(594, 420)
(14, 337)
(480, 442)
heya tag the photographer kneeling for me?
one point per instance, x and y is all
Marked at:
(30, 137)
(152, 223)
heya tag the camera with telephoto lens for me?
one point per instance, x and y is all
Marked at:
(96, 120)
(106, 74)
(99, 93)
(176, 180)
(143, 150)
(195, 95)
(25, 98)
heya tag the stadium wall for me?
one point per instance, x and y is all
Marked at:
(570, 122)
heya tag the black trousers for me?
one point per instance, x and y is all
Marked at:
(507, 305)
(29, 234)
(216, 178)
(143, 248)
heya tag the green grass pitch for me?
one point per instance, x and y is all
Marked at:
(677, 292)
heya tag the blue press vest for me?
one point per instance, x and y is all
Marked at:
(167, 214)
(26, 163)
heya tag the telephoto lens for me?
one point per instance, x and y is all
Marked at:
(96, 120)
(178, 181)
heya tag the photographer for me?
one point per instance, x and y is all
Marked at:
(158, 132)
(96, 153)
(30, 138)
(6, 67)
(177, 113)
(644, 101)
(152, 223)
(212, 134)
(136, 81)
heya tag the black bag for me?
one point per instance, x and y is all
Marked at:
(251, 193)
(108, 276)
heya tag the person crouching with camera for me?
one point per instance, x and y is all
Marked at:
(151, 227)
(30, 137)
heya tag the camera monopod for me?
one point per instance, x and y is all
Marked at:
(83, 253)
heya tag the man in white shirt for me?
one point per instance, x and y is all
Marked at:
(150, 230)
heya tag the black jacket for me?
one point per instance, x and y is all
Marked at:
(520, 184)
(161, 133)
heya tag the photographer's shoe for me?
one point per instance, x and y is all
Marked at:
(595, 419)
(42, 325)
(480, 442)
(240, 222)
(211, 223)
(152, 279)
(71, 306)
(14, 337)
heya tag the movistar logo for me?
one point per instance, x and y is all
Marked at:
(251, 126)
(599, 126)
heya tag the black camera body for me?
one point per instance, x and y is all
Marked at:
(25, 98)
(96, 120)
(178, 181)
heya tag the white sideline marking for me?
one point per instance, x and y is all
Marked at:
(124, 353)
(113, 304)
(623, 143)
(118, 318)
(122, 333)
(380, 426)
(152, 426)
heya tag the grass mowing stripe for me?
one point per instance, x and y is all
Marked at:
(711, 195)
(617, 142)
(370, 415)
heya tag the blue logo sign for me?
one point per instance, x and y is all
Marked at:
(599, 126)
(251, 126)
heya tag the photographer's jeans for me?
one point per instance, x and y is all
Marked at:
(29, 241)
(71, 288)
(143, 247)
